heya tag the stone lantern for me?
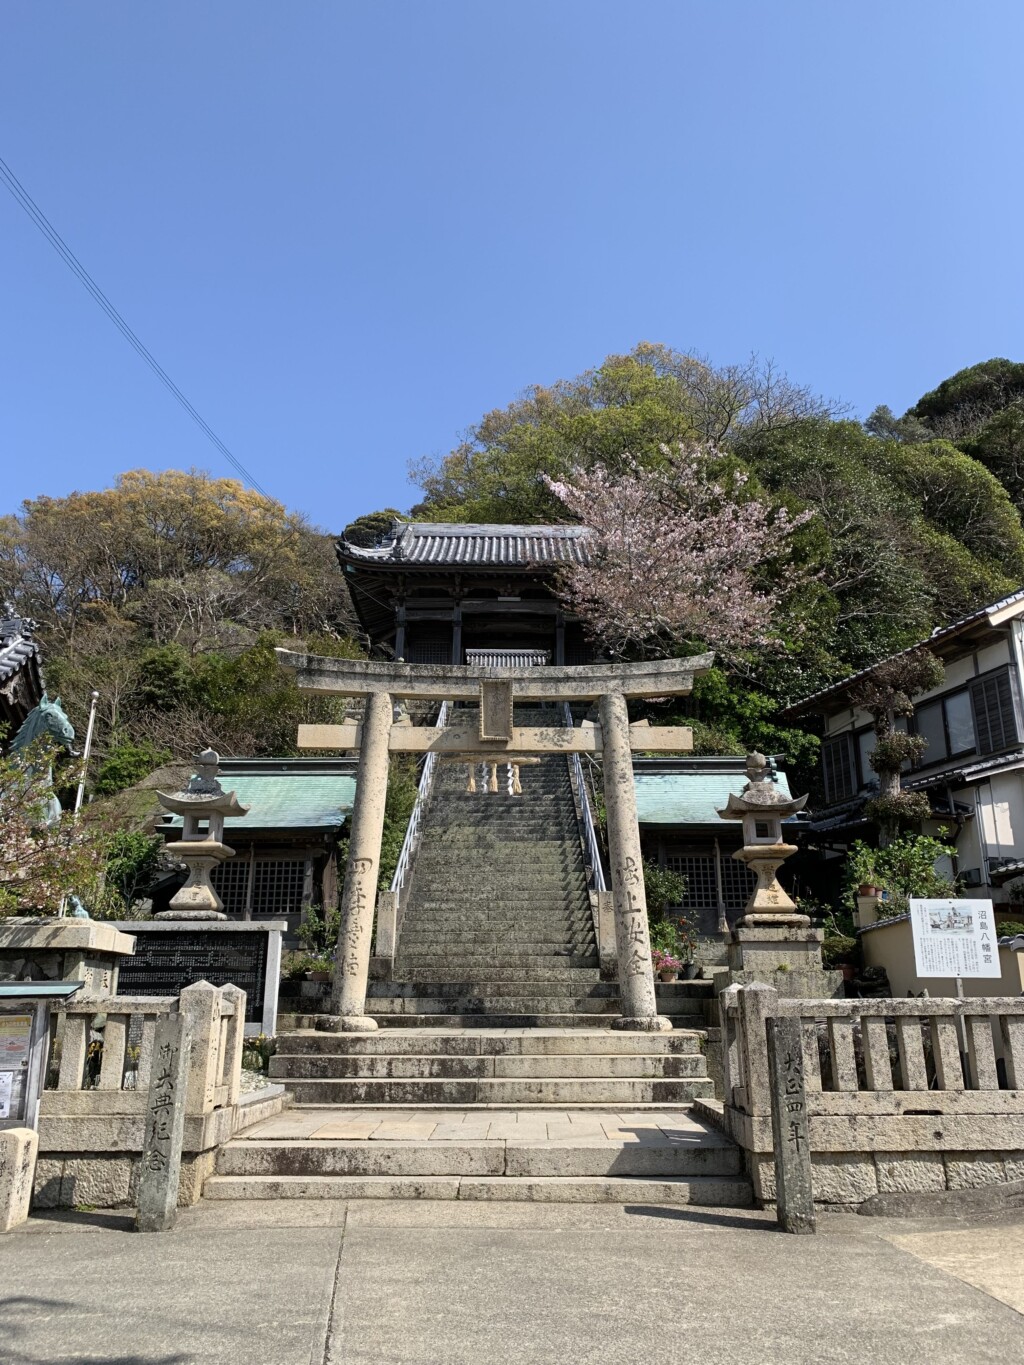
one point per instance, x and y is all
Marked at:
(203, 806)
(773, 942)
(762, 807)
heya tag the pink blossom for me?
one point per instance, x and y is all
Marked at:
(675, 553)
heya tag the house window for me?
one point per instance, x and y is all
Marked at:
(959, 723)
(837, 765)
(995, 714)
(948, 726)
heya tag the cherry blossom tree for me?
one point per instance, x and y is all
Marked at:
(42, 859)
(676, 553)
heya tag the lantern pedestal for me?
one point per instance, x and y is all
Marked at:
(773, 943)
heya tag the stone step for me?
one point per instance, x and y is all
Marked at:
(473, 1158)
(588, 989)
(492, 1004)
(481, 1042)
(480, 971)
(706, 1191)
(512, 1092)
(472, 960)
(484, 910)
(497, 935)
(542, 1019)
(410, 1066)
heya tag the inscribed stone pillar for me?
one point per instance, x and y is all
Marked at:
(165, 1125)
(632, 938)
(18, 1149)
(352, 962)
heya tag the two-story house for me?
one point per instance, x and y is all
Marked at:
(973, 768)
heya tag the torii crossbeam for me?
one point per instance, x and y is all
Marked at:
(497, 739)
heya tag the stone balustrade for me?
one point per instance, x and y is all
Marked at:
(902, 1095)
(92, 1115)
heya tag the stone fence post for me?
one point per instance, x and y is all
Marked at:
(605, 923)
(757, 1004)
(200, 1004)
(387, 923)
(232, 1043)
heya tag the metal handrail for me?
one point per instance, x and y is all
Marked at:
(591, 846)
(415, 819)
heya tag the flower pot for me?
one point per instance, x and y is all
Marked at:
(691, 971)
(867, 889)
(318, 976)
(667, 974)
(848, 970)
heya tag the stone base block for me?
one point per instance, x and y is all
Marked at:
(909, 1172)
(646, 1023)
(18, 1149)
(346, 1023)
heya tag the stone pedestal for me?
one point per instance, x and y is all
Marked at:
(785, 956)
(67, 949)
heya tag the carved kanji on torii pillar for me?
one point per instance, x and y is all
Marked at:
(495, 739)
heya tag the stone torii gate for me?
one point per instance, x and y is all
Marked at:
(497, 740)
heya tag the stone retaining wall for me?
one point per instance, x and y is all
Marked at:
(895, 1101)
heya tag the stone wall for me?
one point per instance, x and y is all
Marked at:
(92, 1120)
(902, 1095)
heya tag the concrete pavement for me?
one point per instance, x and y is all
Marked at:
(450, 1283)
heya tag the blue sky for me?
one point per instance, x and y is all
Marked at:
(348, 230)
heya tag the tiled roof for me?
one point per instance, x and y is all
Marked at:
(16, 646)
(441, 542)
(287, 800)
(940, 633)
(690, 798)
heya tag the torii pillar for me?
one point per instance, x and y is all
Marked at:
(632, 936)
(359, 896)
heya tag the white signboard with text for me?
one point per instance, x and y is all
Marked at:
(954, 938)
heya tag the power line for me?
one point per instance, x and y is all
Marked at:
(75, 266)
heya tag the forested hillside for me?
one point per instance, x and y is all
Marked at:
(167, 592)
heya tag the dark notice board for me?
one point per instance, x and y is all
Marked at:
(165, 962)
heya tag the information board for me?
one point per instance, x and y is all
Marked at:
(954, 938)
(165, 962)
(15, 1054)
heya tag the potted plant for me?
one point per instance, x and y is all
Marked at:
(318, 934)
(665, 964)
(862, 869)
(688, 946)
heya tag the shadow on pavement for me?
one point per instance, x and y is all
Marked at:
(93, 1218)
(732, 1219)
(16, 1315)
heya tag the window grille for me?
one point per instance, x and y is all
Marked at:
(701, 891)
(837, 765)
(429, 652)
(277, 886)
(995, 718)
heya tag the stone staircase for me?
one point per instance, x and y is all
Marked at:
(493, 1067)
(558, 1115)
(495, 1073)
(498, 925)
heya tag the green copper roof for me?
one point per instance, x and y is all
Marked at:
(689, 798)
(288, 800)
